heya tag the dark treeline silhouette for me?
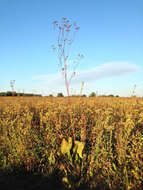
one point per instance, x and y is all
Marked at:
(93, 94)
(9, 93)
(60, 94)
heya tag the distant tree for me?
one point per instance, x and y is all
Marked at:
(75, 95)
(50, 95)
(8, 93)
(93, 94)
(20, 94)
(60, 94)
(110, 95)
(3, 94)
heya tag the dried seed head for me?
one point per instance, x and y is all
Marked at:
(77, 28)
(74, 23)
(64, 18)
(55, 22)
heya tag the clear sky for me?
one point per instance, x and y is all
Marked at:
(110, 38)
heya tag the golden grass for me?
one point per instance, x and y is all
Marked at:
(110, 130)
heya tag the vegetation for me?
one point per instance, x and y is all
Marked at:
(60, 94)
(107, 152)
(65, 33)
(93, 94)
(10, 93)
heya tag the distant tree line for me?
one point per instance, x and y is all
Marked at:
(92, 94)
(60, 94)
(9, 93)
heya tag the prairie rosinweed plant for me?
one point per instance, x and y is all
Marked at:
(65, 33)
(107, 152)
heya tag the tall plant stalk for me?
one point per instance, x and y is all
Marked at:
(65, 33)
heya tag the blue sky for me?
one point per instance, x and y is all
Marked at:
(110, 38)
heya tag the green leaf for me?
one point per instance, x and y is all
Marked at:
(80, 147)
(114, 166)
(51, 158)
(66, 146)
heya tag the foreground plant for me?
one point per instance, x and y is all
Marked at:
(72, 164)
(65, 33)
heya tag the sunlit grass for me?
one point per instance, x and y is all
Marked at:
(108, 146)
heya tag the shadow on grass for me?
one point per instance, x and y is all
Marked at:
(28, 181)
(23, 180)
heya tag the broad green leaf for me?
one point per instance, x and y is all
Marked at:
(66, 146)
(80, 147)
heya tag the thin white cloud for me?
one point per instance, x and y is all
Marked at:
(107, 70)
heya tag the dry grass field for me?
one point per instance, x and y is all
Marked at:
(97, 143)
